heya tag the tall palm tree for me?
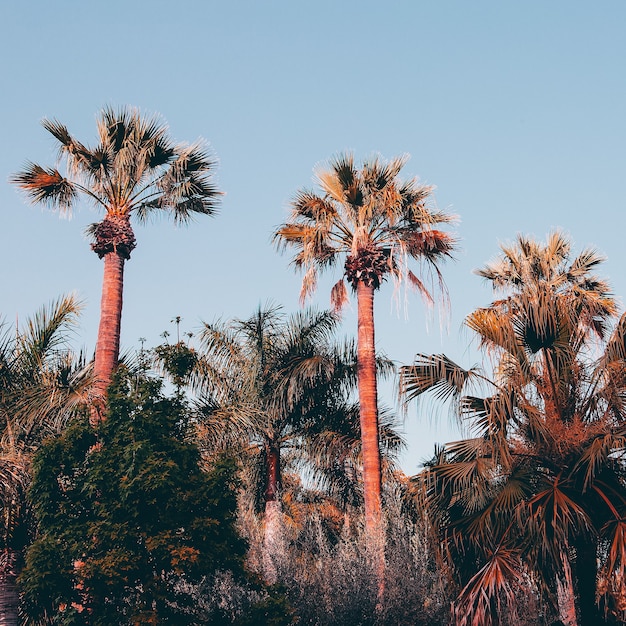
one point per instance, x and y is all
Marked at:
(375, 223)
(540, 489)
(42, 384)
(269, 383)
(134, 169)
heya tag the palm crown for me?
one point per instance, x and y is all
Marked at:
(134, 168)
(369, 215)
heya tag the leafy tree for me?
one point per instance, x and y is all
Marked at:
(375, 223)
(540, 490)
(129, 526)
(134, 169)
(42, 384)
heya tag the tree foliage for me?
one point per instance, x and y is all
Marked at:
(43, 383)
(128, 523)
(540, 489)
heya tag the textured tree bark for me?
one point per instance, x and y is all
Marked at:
(108, 343)
(272, 532)
(368, 415)
(9, 596)
(566, 595)
(272, 482)
(368, 408)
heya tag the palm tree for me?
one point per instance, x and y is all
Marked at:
(42, 384)
(134, 169)
(540, 490)
(271, 382)
(376, 222)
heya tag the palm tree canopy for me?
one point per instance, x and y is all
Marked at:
(370, 217)
(543, 476)
(135, 168)
(277, 382)
(265, 369)
(43, 384)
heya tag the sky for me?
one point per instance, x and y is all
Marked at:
(513, 110)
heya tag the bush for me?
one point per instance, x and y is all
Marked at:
(129, 526)
(329, 580)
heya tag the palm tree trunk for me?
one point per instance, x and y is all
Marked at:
(566, 594)
(108, 344)
(586, 569)
(272, 482)
(368, 415)
(9, 596)
(272, 535)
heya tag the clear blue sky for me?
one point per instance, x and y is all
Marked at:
(514, 110)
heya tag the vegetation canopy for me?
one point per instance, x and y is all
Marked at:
(539, 493)
(128, 523)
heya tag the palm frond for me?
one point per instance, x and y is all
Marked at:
(493, 583)
(556, 516)
(46, 186)
(48, 328)
(437, 374)
(339, 296)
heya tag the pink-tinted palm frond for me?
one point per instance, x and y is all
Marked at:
(421, 288)
(430, 245)
(493, 583)
(555, 516)
(339, 296)
(46, 186)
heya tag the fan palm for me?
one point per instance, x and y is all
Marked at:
(134, 169)
(541, 487)
(375, 223)
(42, 383)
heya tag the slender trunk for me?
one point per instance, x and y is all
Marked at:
(368, 414)
(272, 481)
(368, 409)
(272, 535)
(566, 594)
(586, 577)
(108, 344)
(9, 596)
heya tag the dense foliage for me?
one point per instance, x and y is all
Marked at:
(538, 495)
(42, 384)
(129, 525)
